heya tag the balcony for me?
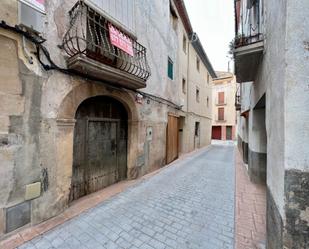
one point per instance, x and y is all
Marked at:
(248, 53)
(90, 50)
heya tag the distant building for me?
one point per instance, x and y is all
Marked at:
(223, 106)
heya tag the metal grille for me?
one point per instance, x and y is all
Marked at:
(89, 35)
(246, 40)
(249, 25)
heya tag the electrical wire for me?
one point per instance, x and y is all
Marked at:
(38, 41)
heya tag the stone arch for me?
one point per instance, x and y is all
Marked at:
(78, 94)
(65, 129)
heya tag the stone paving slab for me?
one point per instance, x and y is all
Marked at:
(188, 205)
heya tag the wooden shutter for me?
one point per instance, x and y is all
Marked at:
(221, 98)
(221, 114)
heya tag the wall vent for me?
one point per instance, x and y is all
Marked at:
(18, 216)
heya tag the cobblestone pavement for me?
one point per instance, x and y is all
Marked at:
(187, 205)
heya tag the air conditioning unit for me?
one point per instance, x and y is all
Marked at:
(31, 17)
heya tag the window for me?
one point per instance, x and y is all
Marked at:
(208, 79)
(221, 98)
(184, 43)
(207, 101)
(184, 86)
(221, 113)
(197, 129)
(197, 64)
(197, 95)
(170, 68)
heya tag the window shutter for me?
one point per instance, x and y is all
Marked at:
(221, 114)
(221, 97)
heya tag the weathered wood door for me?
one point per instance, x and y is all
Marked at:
(172, 139)
(100, 146)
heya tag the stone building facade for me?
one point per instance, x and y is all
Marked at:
(271, 65)
(71, 101)
(224, 111)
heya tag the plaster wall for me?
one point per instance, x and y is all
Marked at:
(183, 66)
(155, 30)
(245, 90)
(197, 79)
(270, 80)
(296, 86)
(8, 11)
(204, 138)
(257, 131)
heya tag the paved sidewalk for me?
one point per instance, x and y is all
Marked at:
(187, 205)
(250, 210)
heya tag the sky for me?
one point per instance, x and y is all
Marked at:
(213, 21)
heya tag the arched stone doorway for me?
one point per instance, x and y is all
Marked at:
(100, 145)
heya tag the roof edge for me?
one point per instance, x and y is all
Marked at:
(197, 45)
(181, 8)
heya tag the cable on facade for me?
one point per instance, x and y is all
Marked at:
(37, 40)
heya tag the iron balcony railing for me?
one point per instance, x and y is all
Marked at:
(247, 40)
(88, 35)
(248, 23)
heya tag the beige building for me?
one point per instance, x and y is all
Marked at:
(195, 76)
(223, 104)
(80, 110)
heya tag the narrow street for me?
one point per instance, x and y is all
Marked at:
(189, 204)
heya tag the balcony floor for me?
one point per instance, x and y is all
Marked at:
(247, 60)
(82, 63)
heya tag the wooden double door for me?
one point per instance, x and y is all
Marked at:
(172, 138)
(100, 146)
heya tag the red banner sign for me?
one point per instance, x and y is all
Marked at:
(120, 40)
